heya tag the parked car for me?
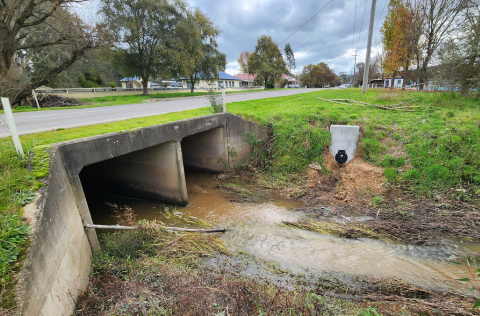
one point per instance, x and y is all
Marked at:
(343, 86)
(293, 86)
(174, 85)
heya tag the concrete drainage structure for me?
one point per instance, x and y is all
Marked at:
(147, 163)
(344, 137)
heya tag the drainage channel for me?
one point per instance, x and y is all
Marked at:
(255, 228)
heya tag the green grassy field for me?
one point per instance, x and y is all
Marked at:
(433, 150)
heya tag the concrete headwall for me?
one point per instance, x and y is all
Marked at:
(147, 163)
(58, 264)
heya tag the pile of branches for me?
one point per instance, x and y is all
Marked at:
(394, 107)
(52, 100)
(263, 153)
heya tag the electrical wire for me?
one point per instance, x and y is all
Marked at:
(354, 20)
(361, 24)
(376, 24)
(306, 22)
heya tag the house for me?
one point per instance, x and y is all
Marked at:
(393, 83)
(290, 79)
(135, 82)
(246, 78)
(224, 81)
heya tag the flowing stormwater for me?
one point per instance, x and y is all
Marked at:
(254, 229)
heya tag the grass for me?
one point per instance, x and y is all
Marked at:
(438, 145)
(125, 99)
(439, 141)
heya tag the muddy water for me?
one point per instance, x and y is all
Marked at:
(254, 229)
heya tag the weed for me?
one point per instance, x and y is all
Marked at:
(13, 241)
(376, 201)
(216, 102)
(23, 197)
(370, 311)
(473, 269)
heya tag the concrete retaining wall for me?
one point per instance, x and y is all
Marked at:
(58, 264)
(145, 163)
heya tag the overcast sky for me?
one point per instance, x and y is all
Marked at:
(328, 37)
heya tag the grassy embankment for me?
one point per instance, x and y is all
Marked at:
(128, 99)
(440, 140)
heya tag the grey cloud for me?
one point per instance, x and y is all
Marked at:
(327, 38)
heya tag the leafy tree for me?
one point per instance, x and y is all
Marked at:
(27, 28)
(290, 58)
(196, 45)
(266, 61)
(90, 79)
(316, 76)
(144, 32)
(243, 61)
(401, 32)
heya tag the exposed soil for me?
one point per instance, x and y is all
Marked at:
(336, 199)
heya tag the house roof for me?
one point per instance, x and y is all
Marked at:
(244, 77)
(221, 76)
(289, 78)
(224, 76)
(130, 79)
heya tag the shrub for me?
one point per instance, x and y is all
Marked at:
(112, 85)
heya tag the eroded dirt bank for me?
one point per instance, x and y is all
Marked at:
(355, 201)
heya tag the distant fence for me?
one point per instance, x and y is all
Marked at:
(83, 93)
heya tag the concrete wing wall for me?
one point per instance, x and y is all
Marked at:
(58, 263)
(238, 148)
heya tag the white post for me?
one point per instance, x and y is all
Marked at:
(35, 97)
(12, 126)
(248, 75)
(224, 103)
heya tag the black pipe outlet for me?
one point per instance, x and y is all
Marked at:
(341, 157)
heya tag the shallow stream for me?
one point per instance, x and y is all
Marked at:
(254, 228)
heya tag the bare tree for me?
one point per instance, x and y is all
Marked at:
(26, 28)
(439, 18)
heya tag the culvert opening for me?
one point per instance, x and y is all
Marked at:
(151, 174)
(205, 151)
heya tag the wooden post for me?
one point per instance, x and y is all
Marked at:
(35, 97)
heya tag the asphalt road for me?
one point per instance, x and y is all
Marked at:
(35, 122)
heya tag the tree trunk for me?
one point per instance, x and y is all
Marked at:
(49, 76)
(145, 84)
(192, 82)
(266, 82)
(405, 76)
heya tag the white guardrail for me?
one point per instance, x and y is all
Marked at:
(94, 90)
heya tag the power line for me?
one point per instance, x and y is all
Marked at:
(361, 24)
(354, 20)
(378, 20)
(380, 16)
(306, 22)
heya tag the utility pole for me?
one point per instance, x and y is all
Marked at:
(369, 47)
(354, 66)
(248, 74)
